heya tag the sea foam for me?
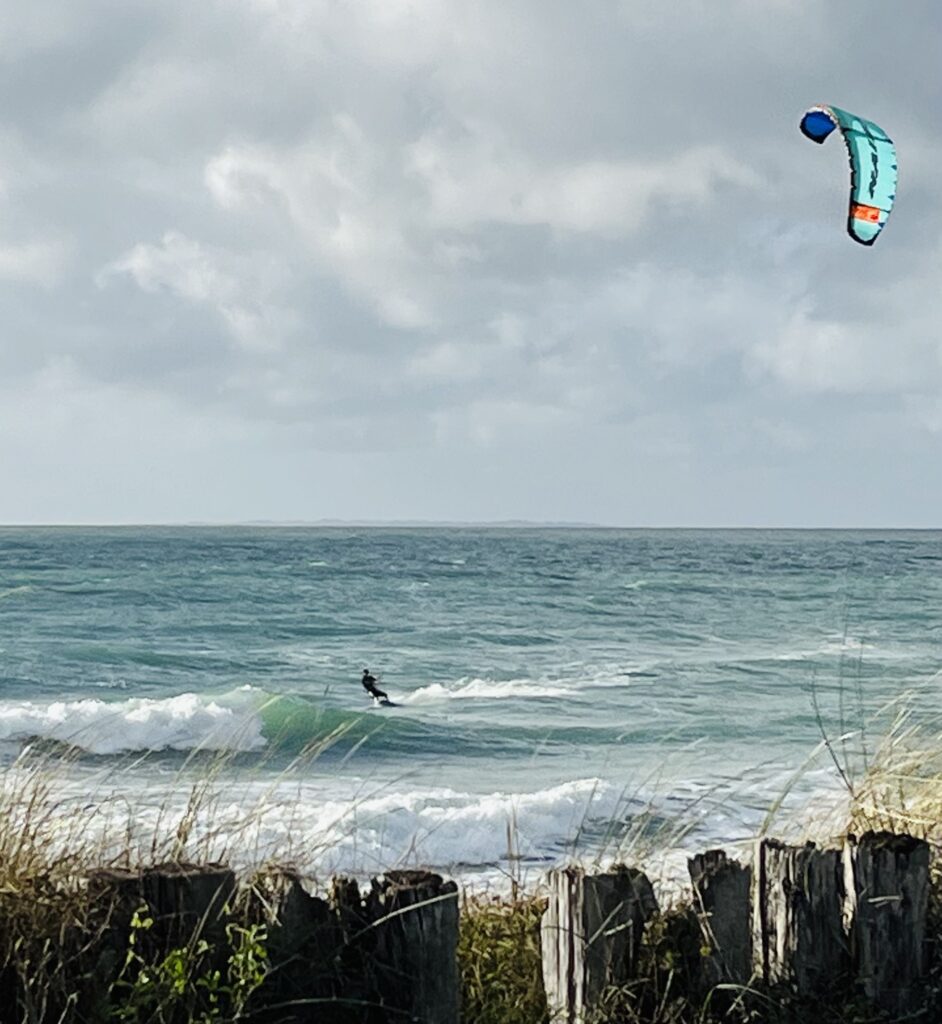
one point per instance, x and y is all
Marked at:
(322, 829)
(488, 689)
(183, 722)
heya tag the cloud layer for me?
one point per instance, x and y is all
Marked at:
(295, 259)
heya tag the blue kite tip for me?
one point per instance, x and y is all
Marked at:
(817, 125)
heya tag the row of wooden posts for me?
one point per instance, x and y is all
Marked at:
(790, 925)
(800, 923)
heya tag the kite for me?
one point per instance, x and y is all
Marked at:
(872, 167)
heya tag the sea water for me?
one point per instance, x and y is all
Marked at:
(560, 692)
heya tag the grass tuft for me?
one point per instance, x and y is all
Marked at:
(499, 957)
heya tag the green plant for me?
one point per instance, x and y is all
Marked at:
(183, 984)
(499, 959)
(248, 965)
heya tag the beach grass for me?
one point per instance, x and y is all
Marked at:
(499, 957)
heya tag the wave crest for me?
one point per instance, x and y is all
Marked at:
(488, 689)
(183, 722)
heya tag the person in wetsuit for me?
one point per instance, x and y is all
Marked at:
(369, 684)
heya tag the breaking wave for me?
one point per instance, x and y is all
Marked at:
(183, 722)
(243, 721)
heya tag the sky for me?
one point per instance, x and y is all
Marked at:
(465, 260)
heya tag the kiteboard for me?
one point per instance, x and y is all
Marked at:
(384, 702)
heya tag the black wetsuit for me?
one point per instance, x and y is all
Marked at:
(369, 684)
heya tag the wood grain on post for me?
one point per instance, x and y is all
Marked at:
(799, 935)
(303, 946)
(591, 935)
(891, 892)
(413, 919)
(721, 890)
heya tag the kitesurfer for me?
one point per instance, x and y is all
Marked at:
(369, 684)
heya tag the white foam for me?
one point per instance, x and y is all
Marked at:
(446, 827)
(573, 680)
(184, 722)
(324, 832)
(489, 689)
(330, 825)
(838, 645)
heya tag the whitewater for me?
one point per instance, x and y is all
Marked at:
(562, 693)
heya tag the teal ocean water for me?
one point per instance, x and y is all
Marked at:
(552, 684)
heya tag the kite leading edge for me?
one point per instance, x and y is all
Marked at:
(873, 168)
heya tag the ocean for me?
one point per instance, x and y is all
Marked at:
(561, 692)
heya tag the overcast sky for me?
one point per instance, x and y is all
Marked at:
(382, 259)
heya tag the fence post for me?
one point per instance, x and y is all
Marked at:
(721, 892)
(798, 911)
(891, 891)
(185, 900)
(304, 947)
(413, 918)
(591, 935)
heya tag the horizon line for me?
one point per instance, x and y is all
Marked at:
(330, 523)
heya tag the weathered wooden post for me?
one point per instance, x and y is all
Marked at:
(891, 892)
(304, 949)
(799, 936)
(185, 900)
(591, 935)
(413, 921)
(721, 892)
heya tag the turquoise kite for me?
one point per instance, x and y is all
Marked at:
(872, 167)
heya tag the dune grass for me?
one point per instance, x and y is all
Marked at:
(499, 956)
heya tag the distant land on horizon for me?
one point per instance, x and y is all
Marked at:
(534, 524)
(501, 524)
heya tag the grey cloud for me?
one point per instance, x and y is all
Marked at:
(509, 242)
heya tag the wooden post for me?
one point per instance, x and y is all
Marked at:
(798, 917)
(185, 900)
(721, 890)
(591, 934)
(891, 891)
(413, 922)
(304, 948)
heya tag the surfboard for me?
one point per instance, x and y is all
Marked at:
(383, 703)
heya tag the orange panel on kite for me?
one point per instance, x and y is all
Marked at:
(861, 212)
